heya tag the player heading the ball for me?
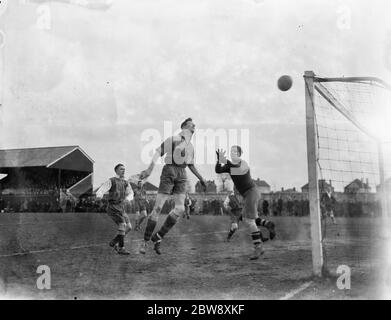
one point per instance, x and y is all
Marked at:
(179, 154)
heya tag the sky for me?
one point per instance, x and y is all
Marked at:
(110, 77)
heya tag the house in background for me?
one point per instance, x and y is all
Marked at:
(148, 187)
(262, 185)
(291, 190)
(323, 185)
(358, 186)
(210, 187)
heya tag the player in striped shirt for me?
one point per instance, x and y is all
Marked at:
(119, 190)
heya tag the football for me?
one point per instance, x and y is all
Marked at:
(284, 83)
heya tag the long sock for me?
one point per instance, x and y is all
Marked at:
(117, 238)
(256, 237)
(168, 224)
(151, 224)
(121, 240)
(231, 233)
(261, 222)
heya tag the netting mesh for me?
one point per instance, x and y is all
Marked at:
(352, 120)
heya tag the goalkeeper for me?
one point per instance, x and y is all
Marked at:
(240, 174)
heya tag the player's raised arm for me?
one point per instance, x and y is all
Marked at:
(160, 152)
(221, 164)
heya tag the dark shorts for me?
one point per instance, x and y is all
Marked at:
(250, 201)
(117, 213)
(173, 180)
(140, 205)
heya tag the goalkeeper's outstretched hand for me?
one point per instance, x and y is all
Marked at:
(221, 158)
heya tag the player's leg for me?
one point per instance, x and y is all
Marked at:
(114, 211)
(143, 215)
(269, 225)
(111, 212)
(234, 223)
(128, 226)
(331, 212)
(120, 248)
(232, 230)
(153, 218)
(143, 209)
(188, 212)
(170, 221)
(250, 213)
(179, 180)
(137, 209)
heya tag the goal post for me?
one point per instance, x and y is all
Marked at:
(344, 149)
(313, 186)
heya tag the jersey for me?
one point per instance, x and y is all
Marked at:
(240, 175)
(117, 192)
(140, 193)
(177, 151)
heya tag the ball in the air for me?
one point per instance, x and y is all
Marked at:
(284, 83)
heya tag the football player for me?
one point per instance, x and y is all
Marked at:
(240, 174)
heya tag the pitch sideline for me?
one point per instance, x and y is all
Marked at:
(294, 292)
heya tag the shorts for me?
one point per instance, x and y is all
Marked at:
(250, 203)
(173, 180)
(140, 205)
(117, 213)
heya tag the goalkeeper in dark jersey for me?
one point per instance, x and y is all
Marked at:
(240, 174)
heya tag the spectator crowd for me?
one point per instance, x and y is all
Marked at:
(279, 207)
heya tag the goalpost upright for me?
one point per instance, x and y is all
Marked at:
(313, 186)
(344, 104)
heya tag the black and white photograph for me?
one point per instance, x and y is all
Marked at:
(195, 150)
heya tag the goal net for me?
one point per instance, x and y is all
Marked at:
(349, 155)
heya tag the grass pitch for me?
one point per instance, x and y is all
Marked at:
(196, 263)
